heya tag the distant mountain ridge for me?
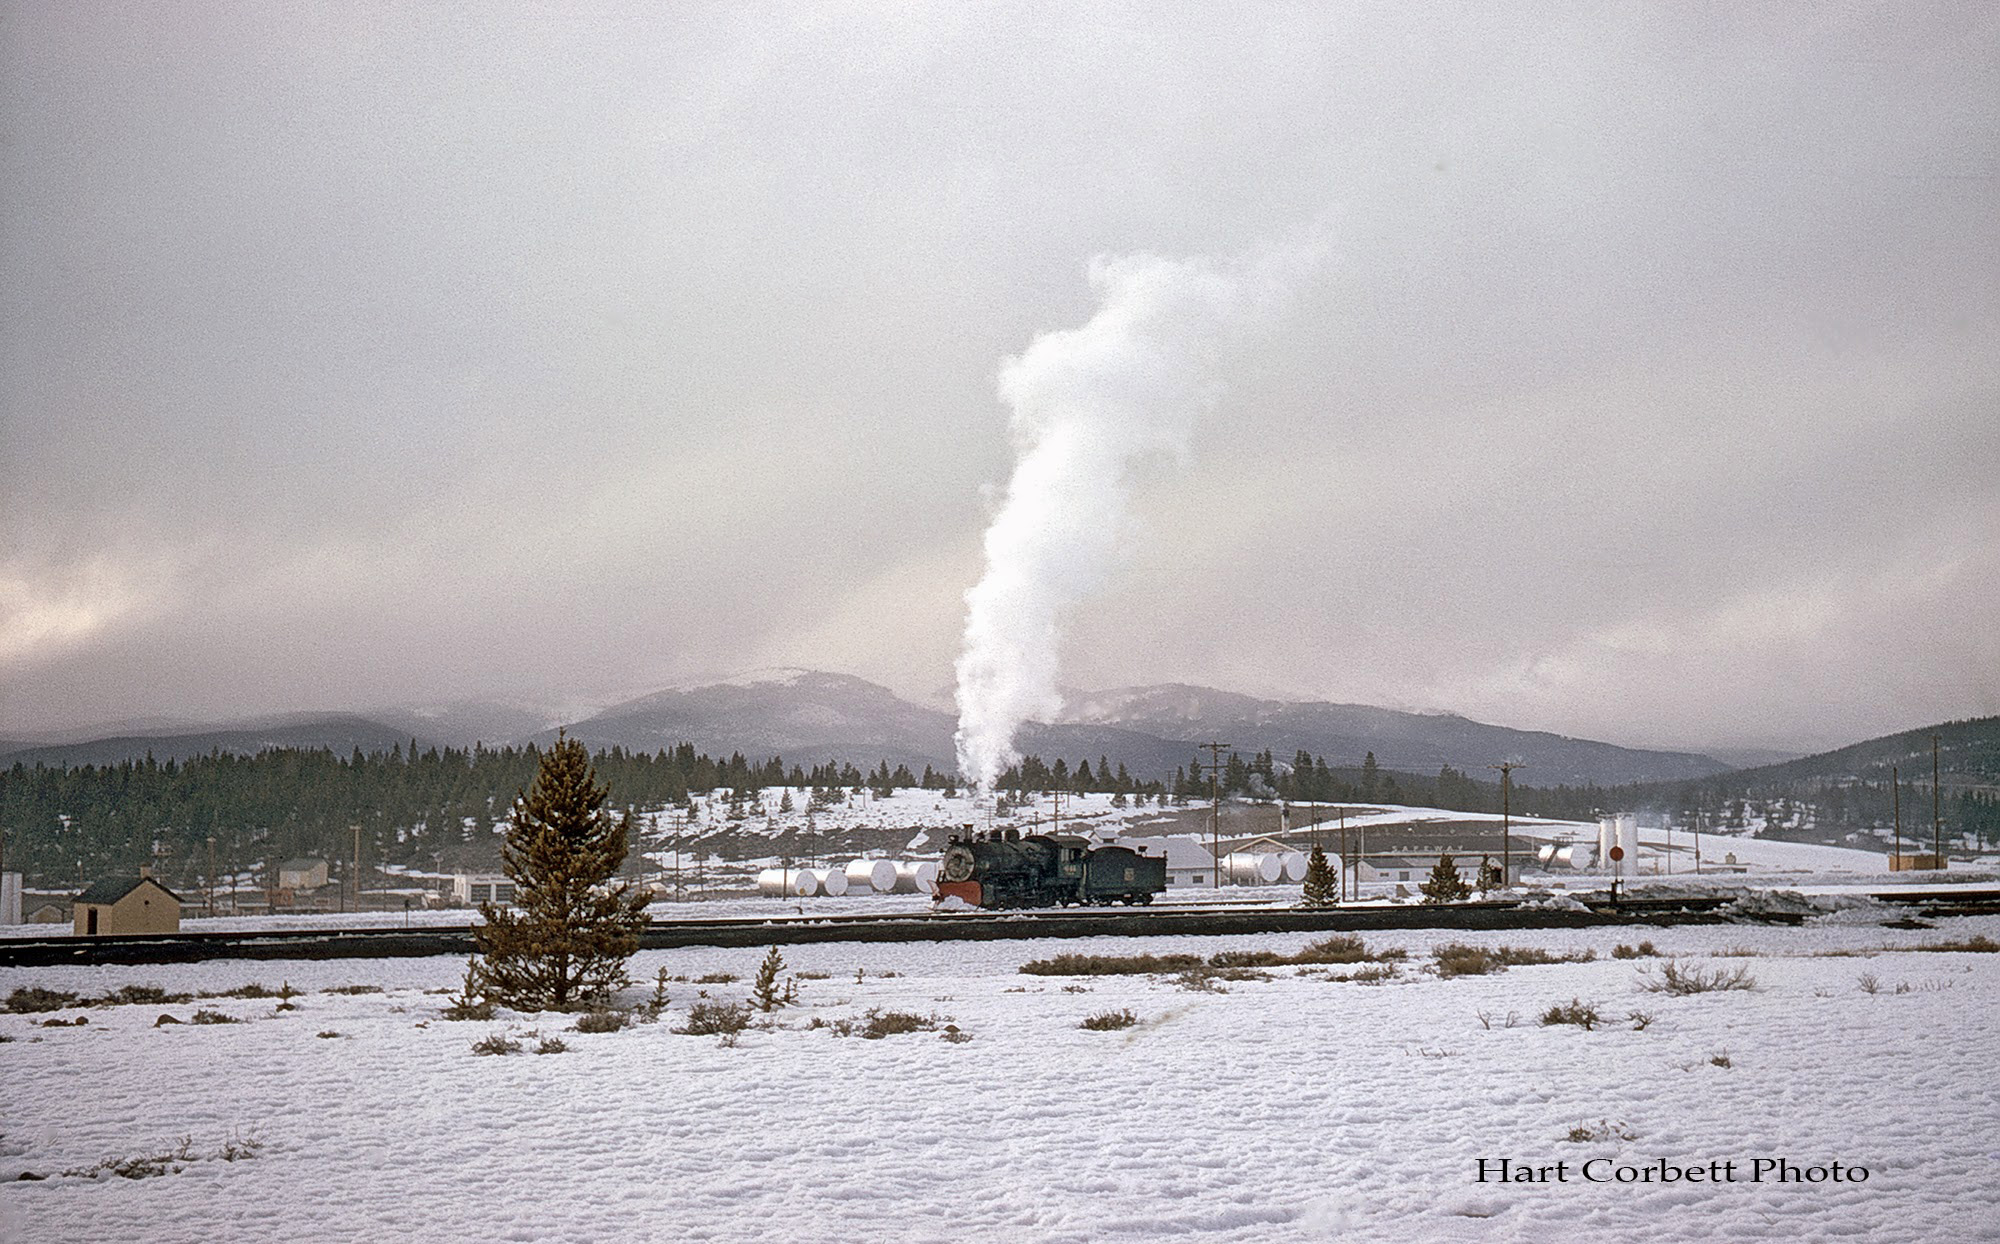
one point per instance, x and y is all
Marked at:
(809, 717)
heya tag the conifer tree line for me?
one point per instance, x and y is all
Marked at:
(436, 808)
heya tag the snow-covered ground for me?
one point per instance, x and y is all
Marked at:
(1291, 1107)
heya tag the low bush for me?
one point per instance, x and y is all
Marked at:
(1640, 1020)
(1644, 950)
(30, 999)
(1576, 1011)
(1978, 944)
(1719, 1060)
(1346, 948)
(328, 1035)
(1109, 965)
(497, 1043)
(213, 1017)
(716, 978)
(78, 1022)
(1584, 1133)
(551, 1045)
(1679, 979)
(1459, 959)
(602, 1021)
(252, 990)
(879, 1024)
(141, 995)
(1109, 1021)
(353, 989)
(716, 1019)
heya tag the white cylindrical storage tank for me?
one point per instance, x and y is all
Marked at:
(786, 883)
(1546, 854)
(1628, 838)
(1607, 837)
(1245, 868)
(1292, 865)
(832, 882)
(923, 876)
(871, 876)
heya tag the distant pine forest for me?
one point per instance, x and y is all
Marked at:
(436, 809)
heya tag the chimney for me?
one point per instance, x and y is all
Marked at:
(145, 872)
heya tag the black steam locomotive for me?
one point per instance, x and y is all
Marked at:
(1005, 869)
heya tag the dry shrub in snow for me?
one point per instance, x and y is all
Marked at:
(1109, 965)
(214, 1017)
(1584, 1133)
(1346, 948)
(498, 1043)
(1576, 1011)
(1978, 944)
(1680, 979)
(1459, 959)
(1109, 1021)
(600, 1021)
(1644, 950)
(716, 1019)
(879, 1024)
(29, 999)
(551, 1045)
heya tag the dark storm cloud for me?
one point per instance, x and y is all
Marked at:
(367, 354)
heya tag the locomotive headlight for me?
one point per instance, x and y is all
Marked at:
(957, 864)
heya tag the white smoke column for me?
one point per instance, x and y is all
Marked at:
(1088, 404)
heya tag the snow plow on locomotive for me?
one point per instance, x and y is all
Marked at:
(1006, 869)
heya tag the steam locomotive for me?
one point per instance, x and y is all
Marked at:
(1005, 869)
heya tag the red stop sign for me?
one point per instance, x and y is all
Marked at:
(1617, 853)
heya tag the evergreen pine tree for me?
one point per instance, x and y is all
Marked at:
(567, 943)
(1370, 776)
(1445, 885)
(1321, 884)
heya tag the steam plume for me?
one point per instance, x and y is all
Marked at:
(1088, 404)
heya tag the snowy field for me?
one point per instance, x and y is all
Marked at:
(1290, 1106)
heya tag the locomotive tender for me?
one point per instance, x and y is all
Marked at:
(1005, 869)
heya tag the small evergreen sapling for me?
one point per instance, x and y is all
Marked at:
(1445, 885)
(1321, 884)
(567, 944)
(1490, 878)
(765, 987)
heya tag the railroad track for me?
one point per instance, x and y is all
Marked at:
(741, 931)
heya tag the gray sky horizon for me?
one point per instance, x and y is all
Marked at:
(359, 355)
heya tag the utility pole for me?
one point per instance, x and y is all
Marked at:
(1346, 865)
(1697, 836)
(1896, 814)
(1937, 813)
(357, 868)
(1506, 828)
(211, 874)
(1215, 806)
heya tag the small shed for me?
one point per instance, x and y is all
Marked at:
(47, 912)
(302, 874)
(124, 905)
(473, 889)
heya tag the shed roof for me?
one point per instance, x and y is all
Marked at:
(111, 889)
(300, 865)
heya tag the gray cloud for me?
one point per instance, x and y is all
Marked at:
(350, 355)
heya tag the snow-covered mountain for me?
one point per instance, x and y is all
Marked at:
(1344, 733)
(809, 717)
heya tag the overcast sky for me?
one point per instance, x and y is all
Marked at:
(354, 354)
